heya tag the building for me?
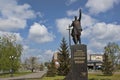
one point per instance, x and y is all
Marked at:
(95, 61)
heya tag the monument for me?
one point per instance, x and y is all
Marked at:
(78, 69)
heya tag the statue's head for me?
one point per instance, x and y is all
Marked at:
(75, 17)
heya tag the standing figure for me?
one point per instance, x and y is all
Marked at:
(76, 31)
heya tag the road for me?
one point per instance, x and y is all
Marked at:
(28, 76)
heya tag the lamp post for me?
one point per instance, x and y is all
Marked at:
(69, 36)
(12, 63)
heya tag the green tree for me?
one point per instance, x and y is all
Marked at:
(113, 51)
(63, 58)
(107, 66)
(52, 71)
(10, 52)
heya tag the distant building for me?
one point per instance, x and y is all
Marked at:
(95, 61)
(96, 57)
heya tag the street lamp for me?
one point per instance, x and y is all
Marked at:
(12, 59)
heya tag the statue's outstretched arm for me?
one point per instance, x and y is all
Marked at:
(80, 15)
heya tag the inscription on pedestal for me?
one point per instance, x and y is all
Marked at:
(79, 57)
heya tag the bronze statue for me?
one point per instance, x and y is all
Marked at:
(76, 31)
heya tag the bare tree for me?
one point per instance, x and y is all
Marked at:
(31, 63)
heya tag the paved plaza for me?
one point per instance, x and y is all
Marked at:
(28, 76)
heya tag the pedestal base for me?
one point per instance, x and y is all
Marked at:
(78, 69)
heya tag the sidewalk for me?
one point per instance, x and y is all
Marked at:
(28, 76)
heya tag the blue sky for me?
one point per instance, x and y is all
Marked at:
(41, 24)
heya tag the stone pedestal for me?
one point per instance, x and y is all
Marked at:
(79, 63)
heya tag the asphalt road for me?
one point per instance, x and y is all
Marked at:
(28, 76)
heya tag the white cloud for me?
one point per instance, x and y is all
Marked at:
(72, 12)
(87, 20)
(12, 24)
(29, 52)
(42, 55)
(89, 52)
(25, 47)
(86, 23)
(40, 14)
(69, 2)
(100, 34)
(40, 34)
(97, 6)
(105, 32)
(19, 37)
(62, 25)
(49, 52)
(14, 16)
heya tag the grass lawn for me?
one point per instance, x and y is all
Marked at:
(91, 76)
(98, 76)
(54, 78)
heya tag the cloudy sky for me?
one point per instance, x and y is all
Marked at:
(41, 24)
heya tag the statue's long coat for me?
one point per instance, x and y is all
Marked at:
(77, 28)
